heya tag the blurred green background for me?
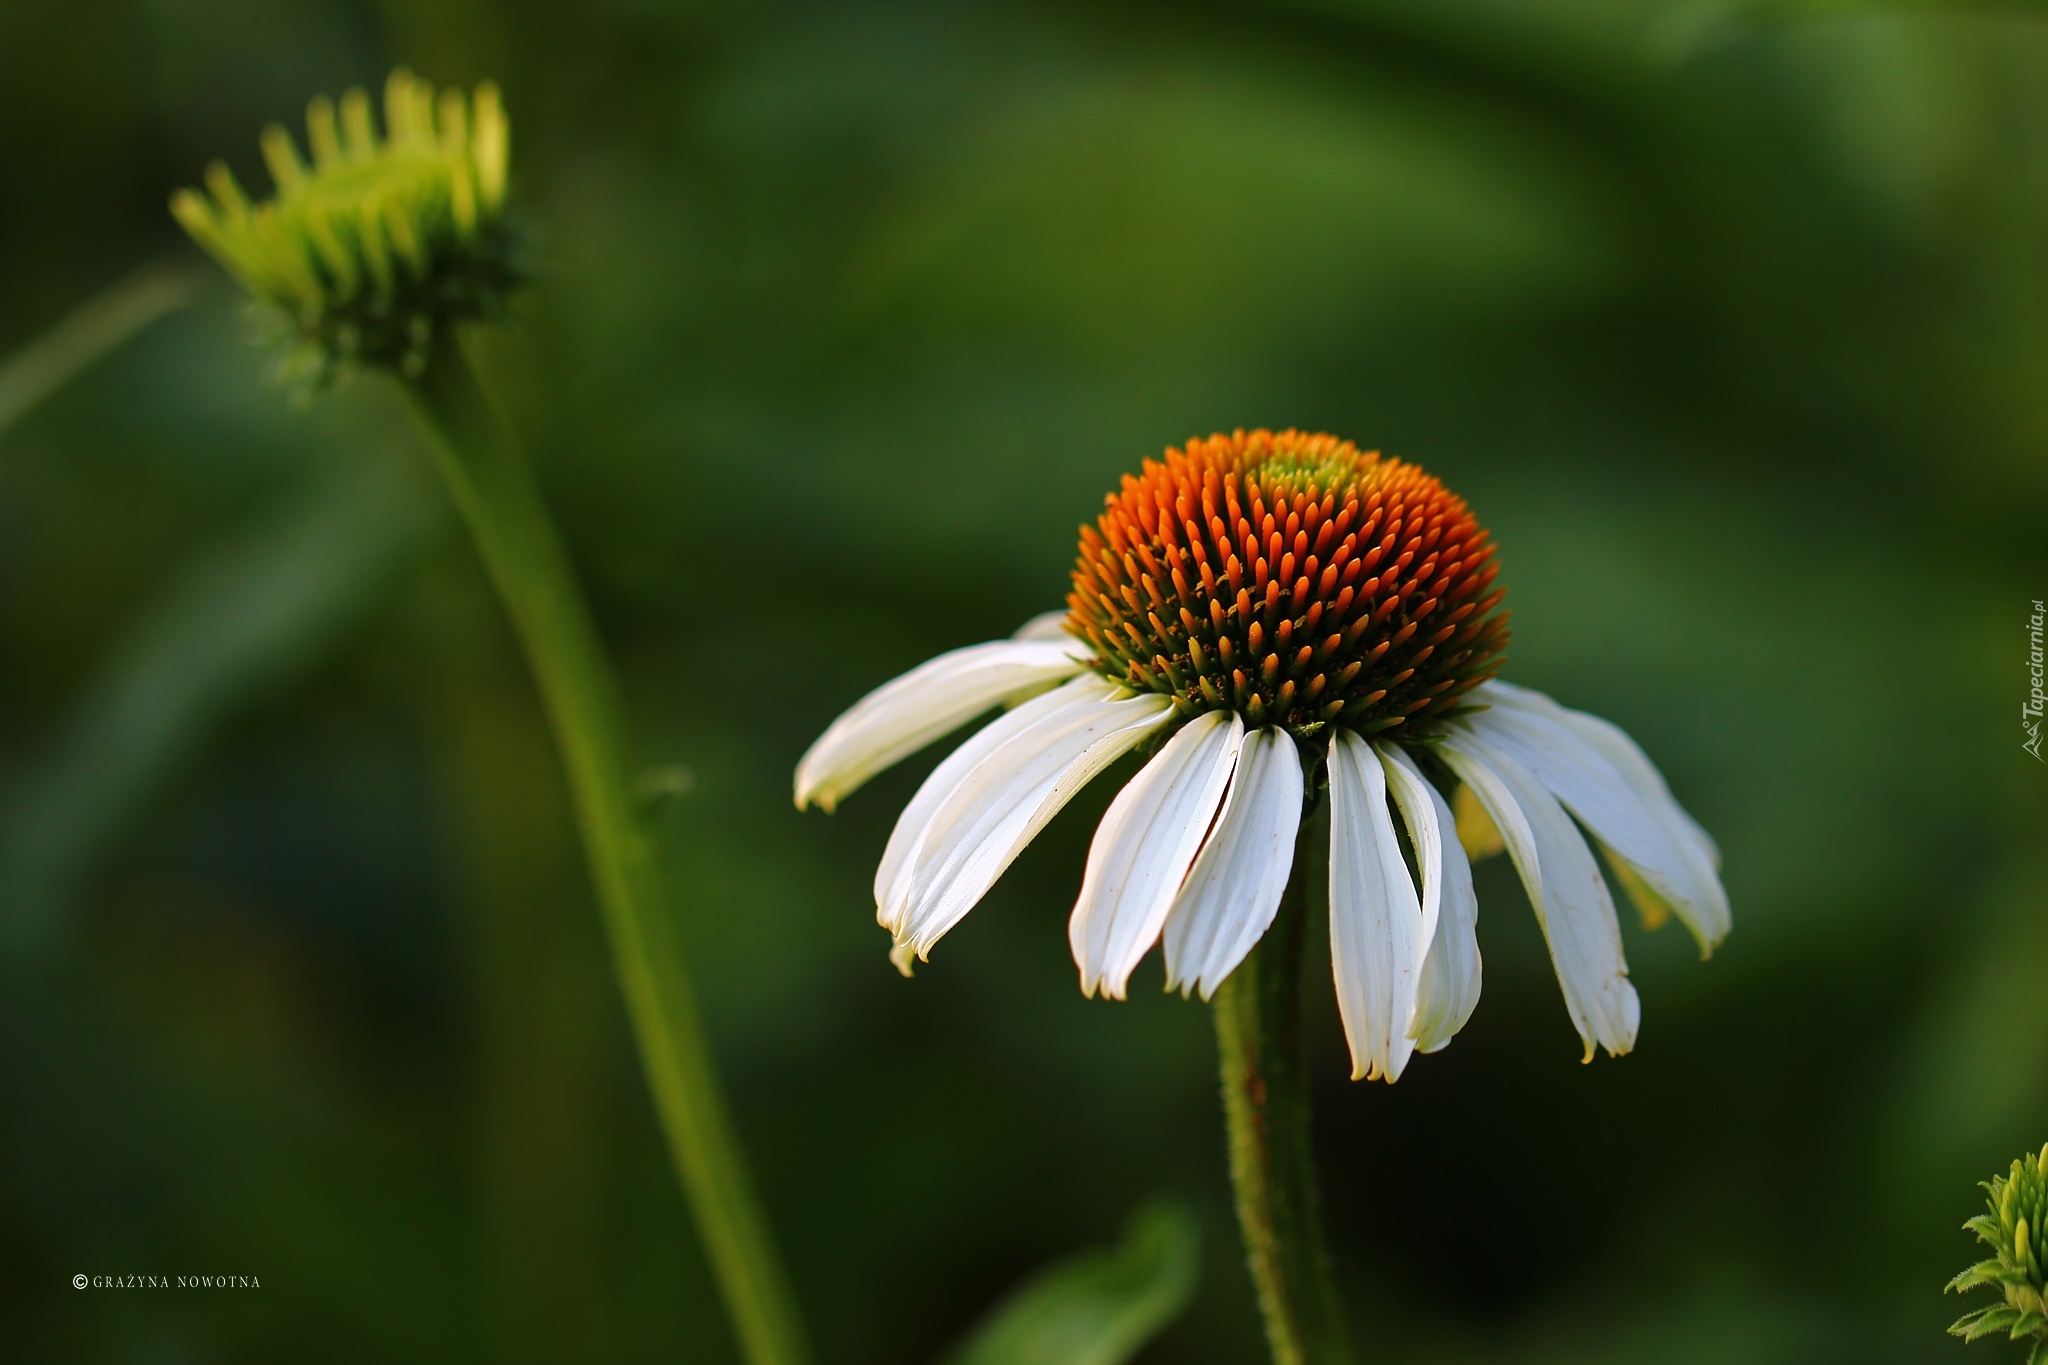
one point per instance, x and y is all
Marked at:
(1731, 320)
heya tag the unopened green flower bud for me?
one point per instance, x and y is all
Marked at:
(2013, 1228)
(381, 242)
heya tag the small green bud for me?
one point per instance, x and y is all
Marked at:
(377, 246)
(2013, 1228)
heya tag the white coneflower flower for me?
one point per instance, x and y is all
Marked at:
(1281, 614)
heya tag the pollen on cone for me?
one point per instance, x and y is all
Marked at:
(1382, 573)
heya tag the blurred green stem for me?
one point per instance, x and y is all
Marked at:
(1266, 1111)
(487, 475)
(88, 332)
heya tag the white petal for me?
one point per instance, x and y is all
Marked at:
(1564, 886)
(1144, 847)
(1449, 989)
(1377, 940)
(1625, 804)
(1007, 798)
(900, 717)
(1234, 888)
(1614, 743)
(1410, 792)
(1047, 625)
(892, 878)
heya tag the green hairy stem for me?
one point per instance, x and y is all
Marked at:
(1266, 1112)
(488, 477)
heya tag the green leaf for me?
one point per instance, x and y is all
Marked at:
(1984, 1272)
(1097, 1307)
(89, 331)
(1984, 1322)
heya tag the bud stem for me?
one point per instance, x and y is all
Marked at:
(1266, 1112)
(488, 477)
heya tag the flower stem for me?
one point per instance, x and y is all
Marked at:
(1266, 1110)
(488, 477)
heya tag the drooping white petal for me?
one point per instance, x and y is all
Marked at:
(1377, 938)
(1614, 743)
(1144, 847)
(902, 716)
(892, 878)
(1007, 797)
(1625, 804)
(1564, 886)
(1643, 833)
(1449, 989)
(1410, 792)
(1047, 625)
(1234, 888)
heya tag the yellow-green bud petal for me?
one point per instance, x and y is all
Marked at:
(287, 172)
(493, 139)
(358, 138)
(321, 133)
